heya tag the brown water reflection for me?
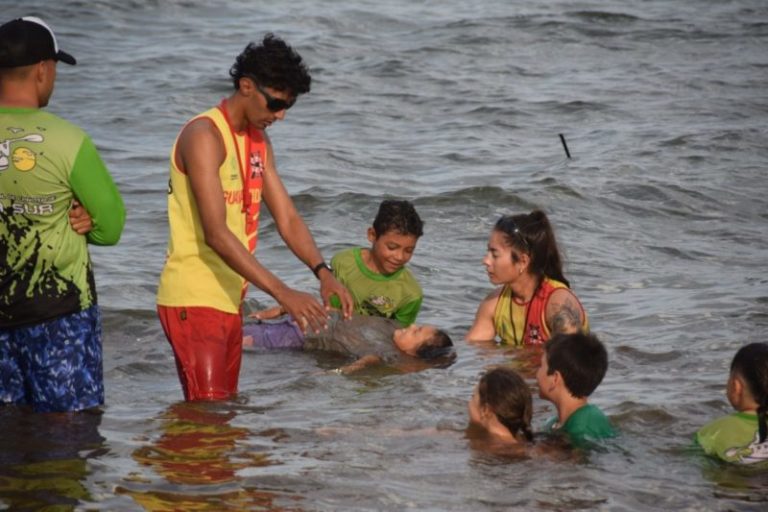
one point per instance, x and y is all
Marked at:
(194, 464)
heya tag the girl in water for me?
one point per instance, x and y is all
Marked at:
(502, 406)
(534, 300)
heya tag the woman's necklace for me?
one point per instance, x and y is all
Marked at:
(527, 311)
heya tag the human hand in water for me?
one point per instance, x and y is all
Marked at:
(304, 309)
(79, 218)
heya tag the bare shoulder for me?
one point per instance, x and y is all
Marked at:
(199, 141)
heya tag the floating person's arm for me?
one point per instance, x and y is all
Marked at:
(360, 364)
(268, 314)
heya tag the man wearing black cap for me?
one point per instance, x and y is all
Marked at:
(50, 328)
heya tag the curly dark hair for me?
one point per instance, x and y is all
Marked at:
(272, 64)
(400, 216)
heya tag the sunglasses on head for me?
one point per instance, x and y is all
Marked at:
(273, 104)
(508, 226)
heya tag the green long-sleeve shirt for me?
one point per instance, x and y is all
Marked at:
(45, 163)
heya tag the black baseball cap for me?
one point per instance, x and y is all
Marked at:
(28, 40)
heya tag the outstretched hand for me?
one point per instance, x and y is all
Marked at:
(305, 310)
(79, 218)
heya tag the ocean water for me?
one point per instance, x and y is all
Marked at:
(661, 214)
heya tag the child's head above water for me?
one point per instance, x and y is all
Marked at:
(393, 236)
(399, 216)
(747, 388)
(423, 341)
(502, 405)
(580, 360)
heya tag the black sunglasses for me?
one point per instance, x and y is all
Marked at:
(274, 104)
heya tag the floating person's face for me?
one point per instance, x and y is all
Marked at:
(391, 251)
(410, 339)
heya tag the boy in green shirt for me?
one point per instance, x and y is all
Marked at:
(377, 278)
(572, 366)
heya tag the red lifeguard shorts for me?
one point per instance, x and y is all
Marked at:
(208, 346)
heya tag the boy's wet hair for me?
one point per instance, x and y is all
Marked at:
(509, 397)
(751, 364)
(400, 216)
(272, 64)
(580, 358)
(438, 346)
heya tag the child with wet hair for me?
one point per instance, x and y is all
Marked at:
(377, 277)
(502, 406)
(741, 437)
(572, 366)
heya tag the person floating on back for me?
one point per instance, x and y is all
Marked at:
(370, 340)
(742, 436)
(502, 407)
(534, 300)
(572, 366)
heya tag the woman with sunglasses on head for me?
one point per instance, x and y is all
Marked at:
(222, 166)
(534, 300)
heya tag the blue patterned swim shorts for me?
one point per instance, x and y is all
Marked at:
(54, 366)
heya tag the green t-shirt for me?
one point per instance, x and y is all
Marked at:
(45, 163)
(587, 423)
(734, 438)
(397, 295)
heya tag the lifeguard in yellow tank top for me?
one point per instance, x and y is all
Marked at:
(525, 324)
(194, 275)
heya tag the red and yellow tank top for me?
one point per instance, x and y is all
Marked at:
(194, 275)
(525, 324)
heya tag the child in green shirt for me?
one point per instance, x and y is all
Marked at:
(740, 437)
(572, 366)
(376, 277)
